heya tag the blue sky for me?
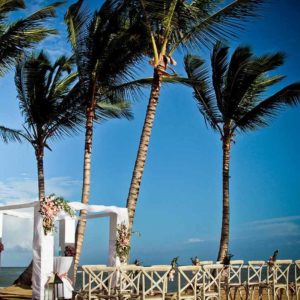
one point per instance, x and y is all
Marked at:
(179, 209)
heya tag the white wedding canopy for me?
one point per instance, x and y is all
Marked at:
(43, 245)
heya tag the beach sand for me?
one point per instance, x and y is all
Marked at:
(14, 292)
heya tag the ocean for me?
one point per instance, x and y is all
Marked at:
(8, 275)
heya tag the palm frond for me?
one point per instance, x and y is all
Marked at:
(7, 6)
(213, 24)
(10, 135)
(116, 108)
(196, 71)
(75, 19)
(270, 107)
(43, 93)
(219, 67)
(24, 33)
(244, 74)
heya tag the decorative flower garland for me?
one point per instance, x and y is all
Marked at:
(1, 247)
(50, 208)
(122, 242)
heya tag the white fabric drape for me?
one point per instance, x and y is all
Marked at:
(43, 248)
(61, 266)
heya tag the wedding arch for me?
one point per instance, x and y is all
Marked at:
(43, 245)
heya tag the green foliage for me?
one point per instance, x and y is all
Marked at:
(22, 34)
(43, 91)
(170, 24)
(235, 95)
(105, 49)
(9, 135)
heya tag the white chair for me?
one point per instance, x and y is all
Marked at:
(234, 279)
(154, 282)
(206, 262)
(84, 291)
(129, 282)
(101, 281)
(199, 281)
(296, 283)
(211, 282)
(278, 279)
(187, 282)
(254, 278)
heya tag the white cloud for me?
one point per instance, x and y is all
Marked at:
(17, 232)
(274, 227)
(194, 241)
(22, 190)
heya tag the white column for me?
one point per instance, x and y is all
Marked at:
(43, 247)
(67, 229)
(120, 217)
(113, 260)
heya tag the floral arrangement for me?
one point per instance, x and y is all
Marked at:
(138, 263)
(1, 247)
(49, 209)
(122, 242)
(226, 262)
(272, 260)
(195, 261)
(70, 251)
(174, 265)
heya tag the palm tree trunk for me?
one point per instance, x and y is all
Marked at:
(25, 278)
(80, 229)
(224, 241)
(143, 148)
(41, 175)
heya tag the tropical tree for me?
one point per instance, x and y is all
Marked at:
(17, 36)
(105, 48)
(234, 101)
(169, 25)
(49, 112)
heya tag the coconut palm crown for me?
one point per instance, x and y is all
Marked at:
(18, 36)
(22, 34)
(234, 100)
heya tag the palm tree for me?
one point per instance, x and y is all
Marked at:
(43, 92)
(233, 101)
(170, 25)
(17, 36)
(104, 47)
